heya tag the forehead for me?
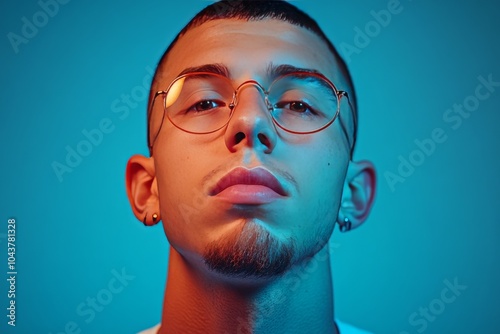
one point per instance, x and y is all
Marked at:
(247, 48)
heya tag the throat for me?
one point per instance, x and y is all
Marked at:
(299, 301)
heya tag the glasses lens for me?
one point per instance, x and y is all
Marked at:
(199, 102)
(303, 102)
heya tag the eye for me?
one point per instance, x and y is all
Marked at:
(298, 106)
(206, 105)
(295, 106)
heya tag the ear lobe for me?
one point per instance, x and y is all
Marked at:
(359, 192)
(142, 189)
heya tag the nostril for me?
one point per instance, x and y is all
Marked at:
(239, 137)
(264, 140)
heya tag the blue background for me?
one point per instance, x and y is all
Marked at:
(440, 224)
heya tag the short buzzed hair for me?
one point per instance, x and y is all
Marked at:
(256, 10)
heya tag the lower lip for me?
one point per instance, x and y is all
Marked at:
(248, 194)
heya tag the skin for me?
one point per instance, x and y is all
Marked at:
(314, 169)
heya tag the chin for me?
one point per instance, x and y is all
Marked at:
(249, 253)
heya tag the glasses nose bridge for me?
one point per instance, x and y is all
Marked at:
(247, 83)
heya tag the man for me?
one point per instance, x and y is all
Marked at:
(252, 124)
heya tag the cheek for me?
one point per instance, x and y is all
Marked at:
(177, 176)
(322, 167)
(320, 175)
(180, 158)
(182, 162)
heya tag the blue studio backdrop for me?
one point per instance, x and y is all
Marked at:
(74, 84)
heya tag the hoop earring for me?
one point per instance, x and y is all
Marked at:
(345, 225)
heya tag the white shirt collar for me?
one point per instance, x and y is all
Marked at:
(343, 328)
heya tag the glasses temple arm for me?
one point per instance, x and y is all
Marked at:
(355, 121)
(150, 111)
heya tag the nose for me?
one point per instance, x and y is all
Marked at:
(251, 124)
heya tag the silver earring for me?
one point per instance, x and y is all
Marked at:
(345, 225)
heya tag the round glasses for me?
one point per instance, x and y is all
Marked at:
(204, 102)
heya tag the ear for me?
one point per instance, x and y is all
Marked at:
(142, 189)
(358, 193)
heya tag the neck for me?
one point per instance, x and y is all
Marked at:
(300, 301)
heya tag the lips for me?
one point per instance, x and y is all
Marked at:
(248, 186)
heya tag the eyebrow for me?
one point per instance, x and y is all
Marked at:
(273, 71)
(276, 71)
(219, 69)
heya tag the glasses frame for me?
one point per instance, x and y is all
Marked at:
(232, 105)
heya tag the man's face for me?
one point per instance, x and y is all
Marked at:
(248, 229)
